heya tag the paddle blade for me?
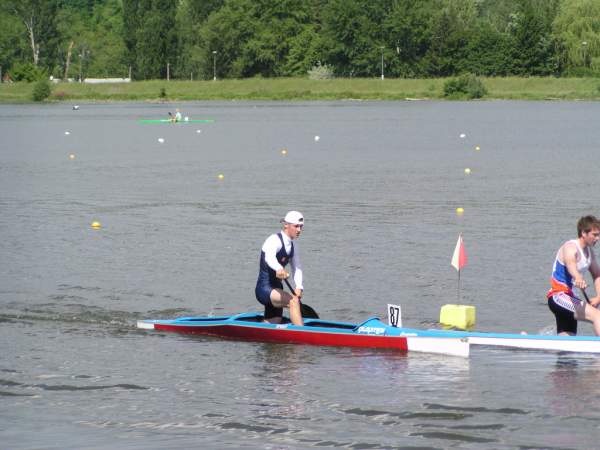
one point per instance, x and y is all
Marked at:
(308, 312)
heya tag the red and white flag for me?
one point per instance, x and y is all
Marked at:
(459, 258)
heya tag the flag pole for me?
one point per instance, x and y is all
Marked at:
(458, 288)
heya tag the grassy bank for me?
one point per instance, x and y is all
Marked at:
(305, 89)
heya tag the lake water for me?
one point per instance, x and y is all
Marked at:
(379, 191)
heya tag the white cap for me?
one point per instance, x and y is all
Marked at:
(293, 218)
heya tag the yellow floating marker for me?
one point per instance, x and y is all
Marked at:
(460, 211)
(467, 171)
(477, 148)
(71, 156)
(284, 152)
(96, 225)
(221, 176)
(458, 316)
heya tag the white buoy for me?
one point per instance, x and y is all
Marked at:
(67, 133)
(75, 107)
(198, 131)
(317, 138)
(463, 135)
(161, 140)
(186, 119)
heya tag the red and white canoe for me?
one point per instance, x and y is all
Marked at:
(370, 334)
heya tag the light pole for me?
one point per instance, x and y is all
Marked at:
(584, 45)
(214, 65)
(382, 62)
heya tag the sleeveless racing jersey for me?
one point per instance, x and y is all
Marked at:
(561, 280)
(266, 275)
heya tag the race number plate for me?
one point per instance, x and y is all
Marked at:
(394, 315)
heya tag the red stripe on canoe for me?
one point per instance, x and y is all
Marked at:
(284, 335)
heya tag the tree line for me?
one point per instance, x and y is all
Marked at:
(200, 39)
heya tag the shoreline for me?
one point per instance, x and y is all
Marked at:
(303, 89)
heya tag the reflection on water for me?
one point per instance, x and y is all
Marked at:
(279, 387)
(574, 384)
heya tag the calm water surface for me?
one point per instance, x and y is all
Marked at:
(379, 191)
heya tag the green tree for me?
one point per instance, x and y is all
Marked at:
(451, 30)
(406, 37)
(225, 33)
(131, 23)
(267, 49)
(487, 52)
(254, 37)
(151, 39)
(532, 41)
(578, 21)
(98, 48)
(190, 17)
(353, 34)
(39, 20)
(12, 47)
(305, 51)
(200, 10)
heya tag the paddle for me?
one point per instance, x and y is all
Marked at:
(587, 299)
(307, 311)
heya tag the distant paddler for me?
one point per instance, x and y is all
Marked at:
(176, 117)
(573, 259)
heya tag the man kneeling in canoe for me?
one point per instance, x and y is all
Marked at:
(277, 251)
(573, 259)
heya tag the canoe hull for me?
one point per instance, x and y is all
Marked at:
(290, 336)
(176, 122)
(369, 334)
(576, 344)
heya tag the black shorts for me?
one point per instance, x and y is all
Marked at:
(263, 295)
(565, 319)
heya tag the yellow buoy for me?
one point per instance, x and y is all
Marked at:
(467, 171)
(71, 156)
(220, 176)
(96, 225)
(459, 211)
(284, 152)
(477, 148)
(458, 316)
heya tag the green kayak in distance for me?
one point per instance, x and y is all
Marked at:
(179, 121)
